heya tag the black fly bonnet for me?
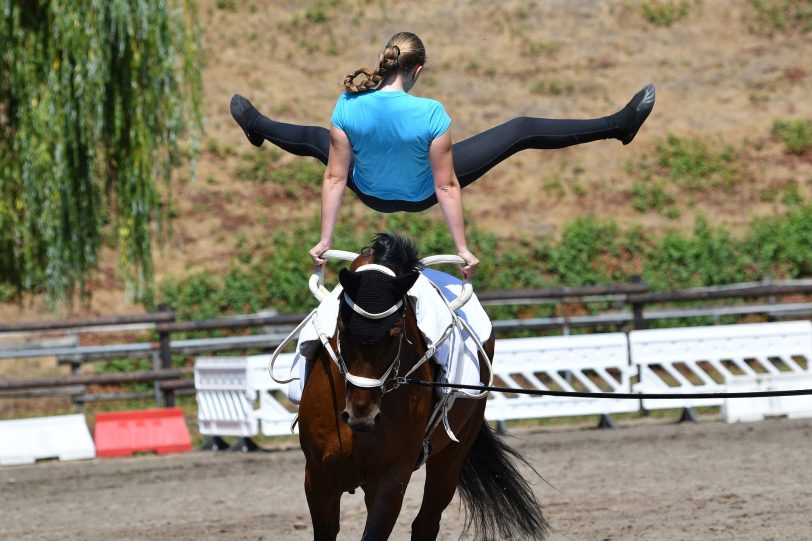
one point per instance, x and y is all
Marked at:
(373, 300)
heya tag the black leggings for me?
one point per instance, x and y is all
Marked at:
(473, 157)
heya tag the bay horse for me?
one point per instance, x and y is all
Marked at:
(372, 436)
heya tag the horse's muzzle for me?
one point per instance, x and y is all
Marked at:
(362, 425)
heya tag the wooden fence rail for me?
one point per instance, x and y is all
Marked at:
(636, 295)
(94, 379)
(65, 324)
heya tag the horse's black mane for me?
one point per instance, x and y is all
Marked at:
(396, 251)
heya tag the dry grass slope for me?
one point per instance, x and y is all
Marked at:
(725, 71)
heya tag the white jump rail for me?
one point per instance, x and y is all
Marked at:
(274, 413)
(24, 441)
(592, 363)
(703, 359)
(224, 407)
(228, 388)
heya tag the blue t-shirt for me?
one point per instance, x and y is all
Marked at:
(390, 133)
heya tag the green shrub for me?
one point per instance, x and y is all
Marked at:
(554, 186)
(227, 5)
(795, 134)
(536, 48)
(590, 251)
(319, 11)
(650, 195)
(581, 255)
(299, 174)
(256, 166)
(709, 256)
(666, 12)
(7, 292)
(690, 164)
(552, 87)
(781, 246)
(791, 195)
(771, 16)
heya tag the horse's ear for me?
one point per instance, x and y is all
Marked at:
(403, 283)
(349, 280)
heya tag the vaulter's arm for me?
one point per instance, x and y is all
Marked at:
(332, 189)
(449, 197)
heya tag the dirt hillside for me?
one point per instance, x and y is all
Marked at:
(724, 72)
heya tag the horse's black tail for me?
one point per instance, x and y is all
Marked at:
(499, 502)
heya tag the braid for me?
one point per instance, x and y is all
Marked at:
(370, 81)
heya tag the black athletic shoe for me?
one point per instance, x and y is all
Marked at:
(246, 115)
(639, 108)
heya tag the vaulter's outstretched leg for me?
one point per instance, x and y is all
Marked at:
(472, 157)
(476, 155)
(299, 140)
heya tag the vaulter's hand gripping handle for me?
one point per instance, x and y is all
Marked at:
(316, 281)
(467, 287)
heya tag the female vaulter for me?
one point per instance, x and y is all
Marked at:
(394, 150)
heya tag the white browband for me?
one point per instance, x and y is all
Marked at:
(374, 266)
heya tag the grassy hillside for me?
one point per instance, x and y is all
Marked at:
(729, 138)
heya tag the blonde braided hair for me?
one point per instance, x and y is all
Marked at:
(402, 52)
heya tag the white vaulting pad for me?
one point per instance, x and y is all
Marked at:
(24, 441)
(457, 357)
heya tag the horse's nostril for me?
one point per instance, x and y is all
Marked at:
(377, 418)
(345, 415)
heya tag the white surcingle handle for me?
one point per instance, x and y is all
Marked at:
(467, 287)
(316, 281)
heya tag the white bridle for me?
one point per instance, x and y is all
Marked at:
(338, 359)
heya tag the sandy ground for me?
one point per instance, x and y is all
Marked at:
(643, 481)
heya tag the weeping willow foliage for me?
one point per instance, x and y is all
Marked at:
(96, 100)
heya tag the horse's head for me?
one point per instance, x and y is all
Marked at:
(372, 324)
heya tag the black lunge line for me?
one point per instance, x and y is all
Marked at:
(623, 396)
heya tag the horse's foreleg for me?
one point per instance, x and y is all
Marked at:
(324, 502)
(443, 471)
(384, 500)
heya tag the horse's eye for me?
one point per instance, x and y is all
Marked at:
(397, 328)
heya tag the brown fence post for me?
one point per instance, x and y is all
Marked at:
(637, 307)
(166, 359)
(638, 323)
